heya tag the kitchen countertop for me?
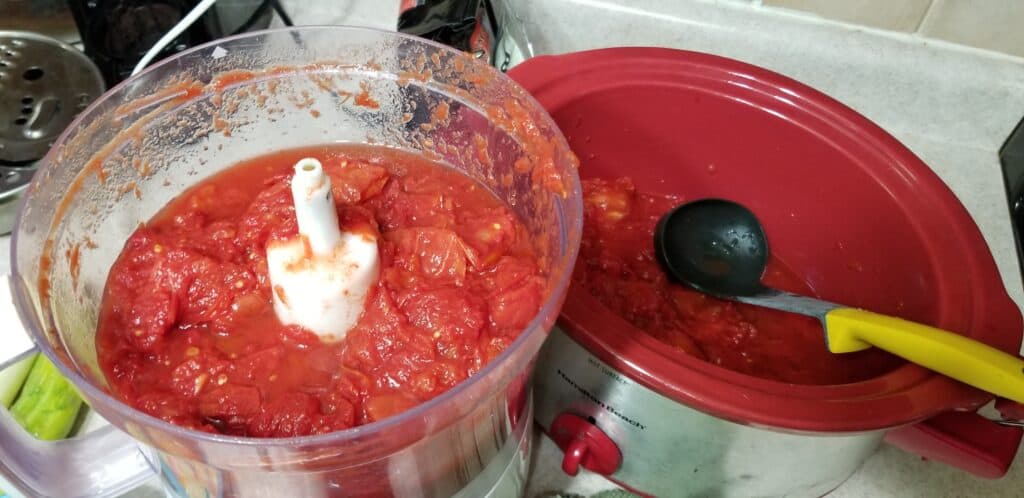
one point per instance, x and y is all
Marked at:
(952, 106)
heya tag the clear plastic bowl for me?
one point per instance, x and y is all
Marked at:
(190, 116)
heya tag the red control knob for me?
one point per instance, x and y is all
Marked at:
(584, 444)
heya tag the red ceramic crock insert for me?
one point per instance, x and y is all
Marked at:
(844, 204)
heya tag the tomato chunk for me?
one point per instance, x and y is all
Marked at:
(188, 332)
(617, 265)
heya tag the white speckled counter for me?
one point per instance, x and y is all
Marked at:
(952, 106)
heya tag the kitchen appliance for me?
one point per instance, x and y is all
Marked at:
(488, 29)
(116, 33)
(194, 114)
(1011, 157)
(847, 206)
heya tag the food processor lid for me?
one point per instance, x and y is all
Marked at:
(971, 298)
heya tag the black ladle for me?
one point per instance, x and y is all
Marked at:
(719, 247)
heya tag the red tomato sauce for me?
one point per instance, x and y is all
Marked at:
(618, 266)
(187, 331)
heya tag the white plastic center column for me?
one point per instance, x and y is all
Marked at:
(321, 278)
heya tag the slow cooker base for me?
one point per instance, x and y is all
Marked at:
(670, 449)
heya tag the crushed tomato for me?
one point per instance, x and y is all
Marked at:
(617, 265)
(187, 331)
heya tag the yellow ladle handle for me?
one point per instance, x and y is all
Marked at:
(953, 355)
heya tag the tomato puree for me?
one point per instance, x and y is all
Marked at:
(618, 266)
(188, 334)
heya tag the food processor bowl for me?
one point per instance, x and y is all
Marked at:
(195, 114)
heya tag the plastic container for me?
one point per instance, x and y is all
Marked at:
(192, 115)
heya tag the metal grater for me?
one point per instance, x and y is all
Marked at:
(44, 84)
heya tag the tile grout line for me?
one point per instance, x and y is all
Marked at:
(927, 12)
(900, 36)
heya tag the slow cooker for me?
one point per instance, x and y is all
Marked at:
(844, 204)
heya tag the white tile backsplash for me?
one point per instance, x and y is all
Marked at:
(995, 25)
(899, 15)
(988, 24)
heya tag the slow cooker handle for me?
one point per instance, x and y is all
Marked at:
(965, 440)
